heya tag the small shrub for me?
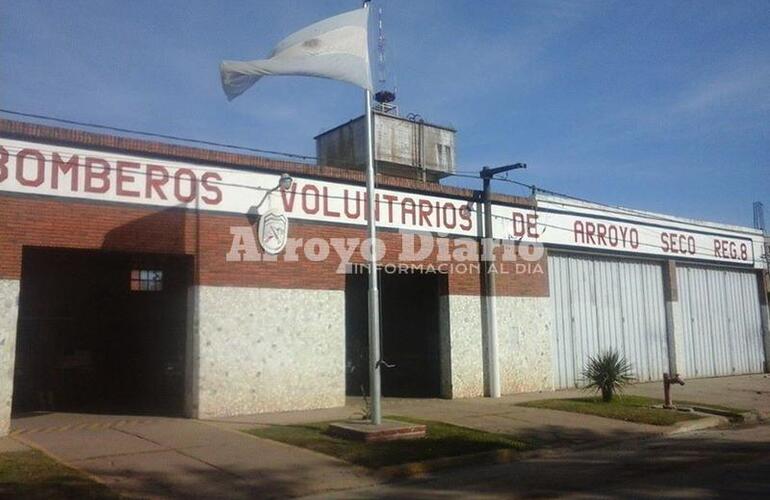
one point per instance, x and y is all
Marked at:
(608, 373)
(366, 410)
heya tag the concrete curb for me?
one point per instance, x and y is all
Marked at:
(746, 417)
(749, 417)
(705, 422)
(494, 457)
(414, 469)
(504, 456)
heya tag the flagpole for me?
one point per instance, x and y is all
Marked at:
(374, 293)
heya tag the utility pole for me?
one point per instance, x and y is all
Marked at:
(488, 257)
(759, 216)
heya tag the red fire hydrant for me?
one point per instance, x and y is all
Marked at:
(667, 381)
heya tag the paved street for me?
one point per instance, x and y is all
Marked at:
(706, 464)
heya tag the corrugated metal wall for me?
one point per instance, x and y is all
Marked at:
(722, 323)
(601, 303)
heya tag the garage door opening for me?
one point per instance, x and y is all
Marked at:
(409, 330)
(101, 332)
(601, 304)
(722, 322)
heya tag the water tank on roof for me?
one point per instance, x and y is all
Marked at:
(403, 147)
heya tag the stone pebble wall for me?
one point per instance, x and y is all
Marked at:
(9, 310)
(263, 350)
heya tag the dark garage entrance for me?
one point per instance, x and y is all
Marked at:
(409, 330)
(101, 332)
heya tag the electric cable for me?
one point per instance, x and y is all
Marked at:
(381, 202)
(458, 173)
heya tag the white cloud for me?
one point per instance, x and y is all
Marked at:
(745, 85)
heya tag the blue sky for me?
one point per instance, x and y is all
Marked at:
(657, 105)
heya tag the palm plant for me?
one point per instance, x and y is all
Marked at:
(608, 373)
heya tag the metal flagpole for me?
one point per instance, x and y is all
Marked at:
(374, 293)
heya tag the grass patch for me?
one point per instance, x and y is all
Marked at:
(442, 440)
(629, 408)
(32, 475)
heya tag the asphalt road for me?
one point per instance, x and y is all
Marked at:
(732, 463)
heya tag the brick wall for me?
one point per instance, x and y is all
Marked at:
(51, 222)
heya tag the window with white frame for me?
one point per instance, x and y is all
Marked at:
(146, 280)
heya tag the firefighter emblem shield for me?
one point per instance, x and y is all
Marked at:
(273, 231)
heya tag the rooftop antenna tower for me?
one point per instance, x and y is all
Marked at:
(759, 216)
(384, 97)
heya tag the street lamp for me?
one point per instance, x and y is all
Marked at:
(284, 182)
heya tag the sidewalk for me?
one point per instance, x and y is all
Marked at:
(544, 427)
(746, 392)
(178, 458)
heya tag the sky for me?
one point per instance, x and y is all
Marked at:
(652, 105)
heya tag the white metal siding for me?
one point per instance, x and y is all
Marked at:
(722, 323)
(601, 304)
